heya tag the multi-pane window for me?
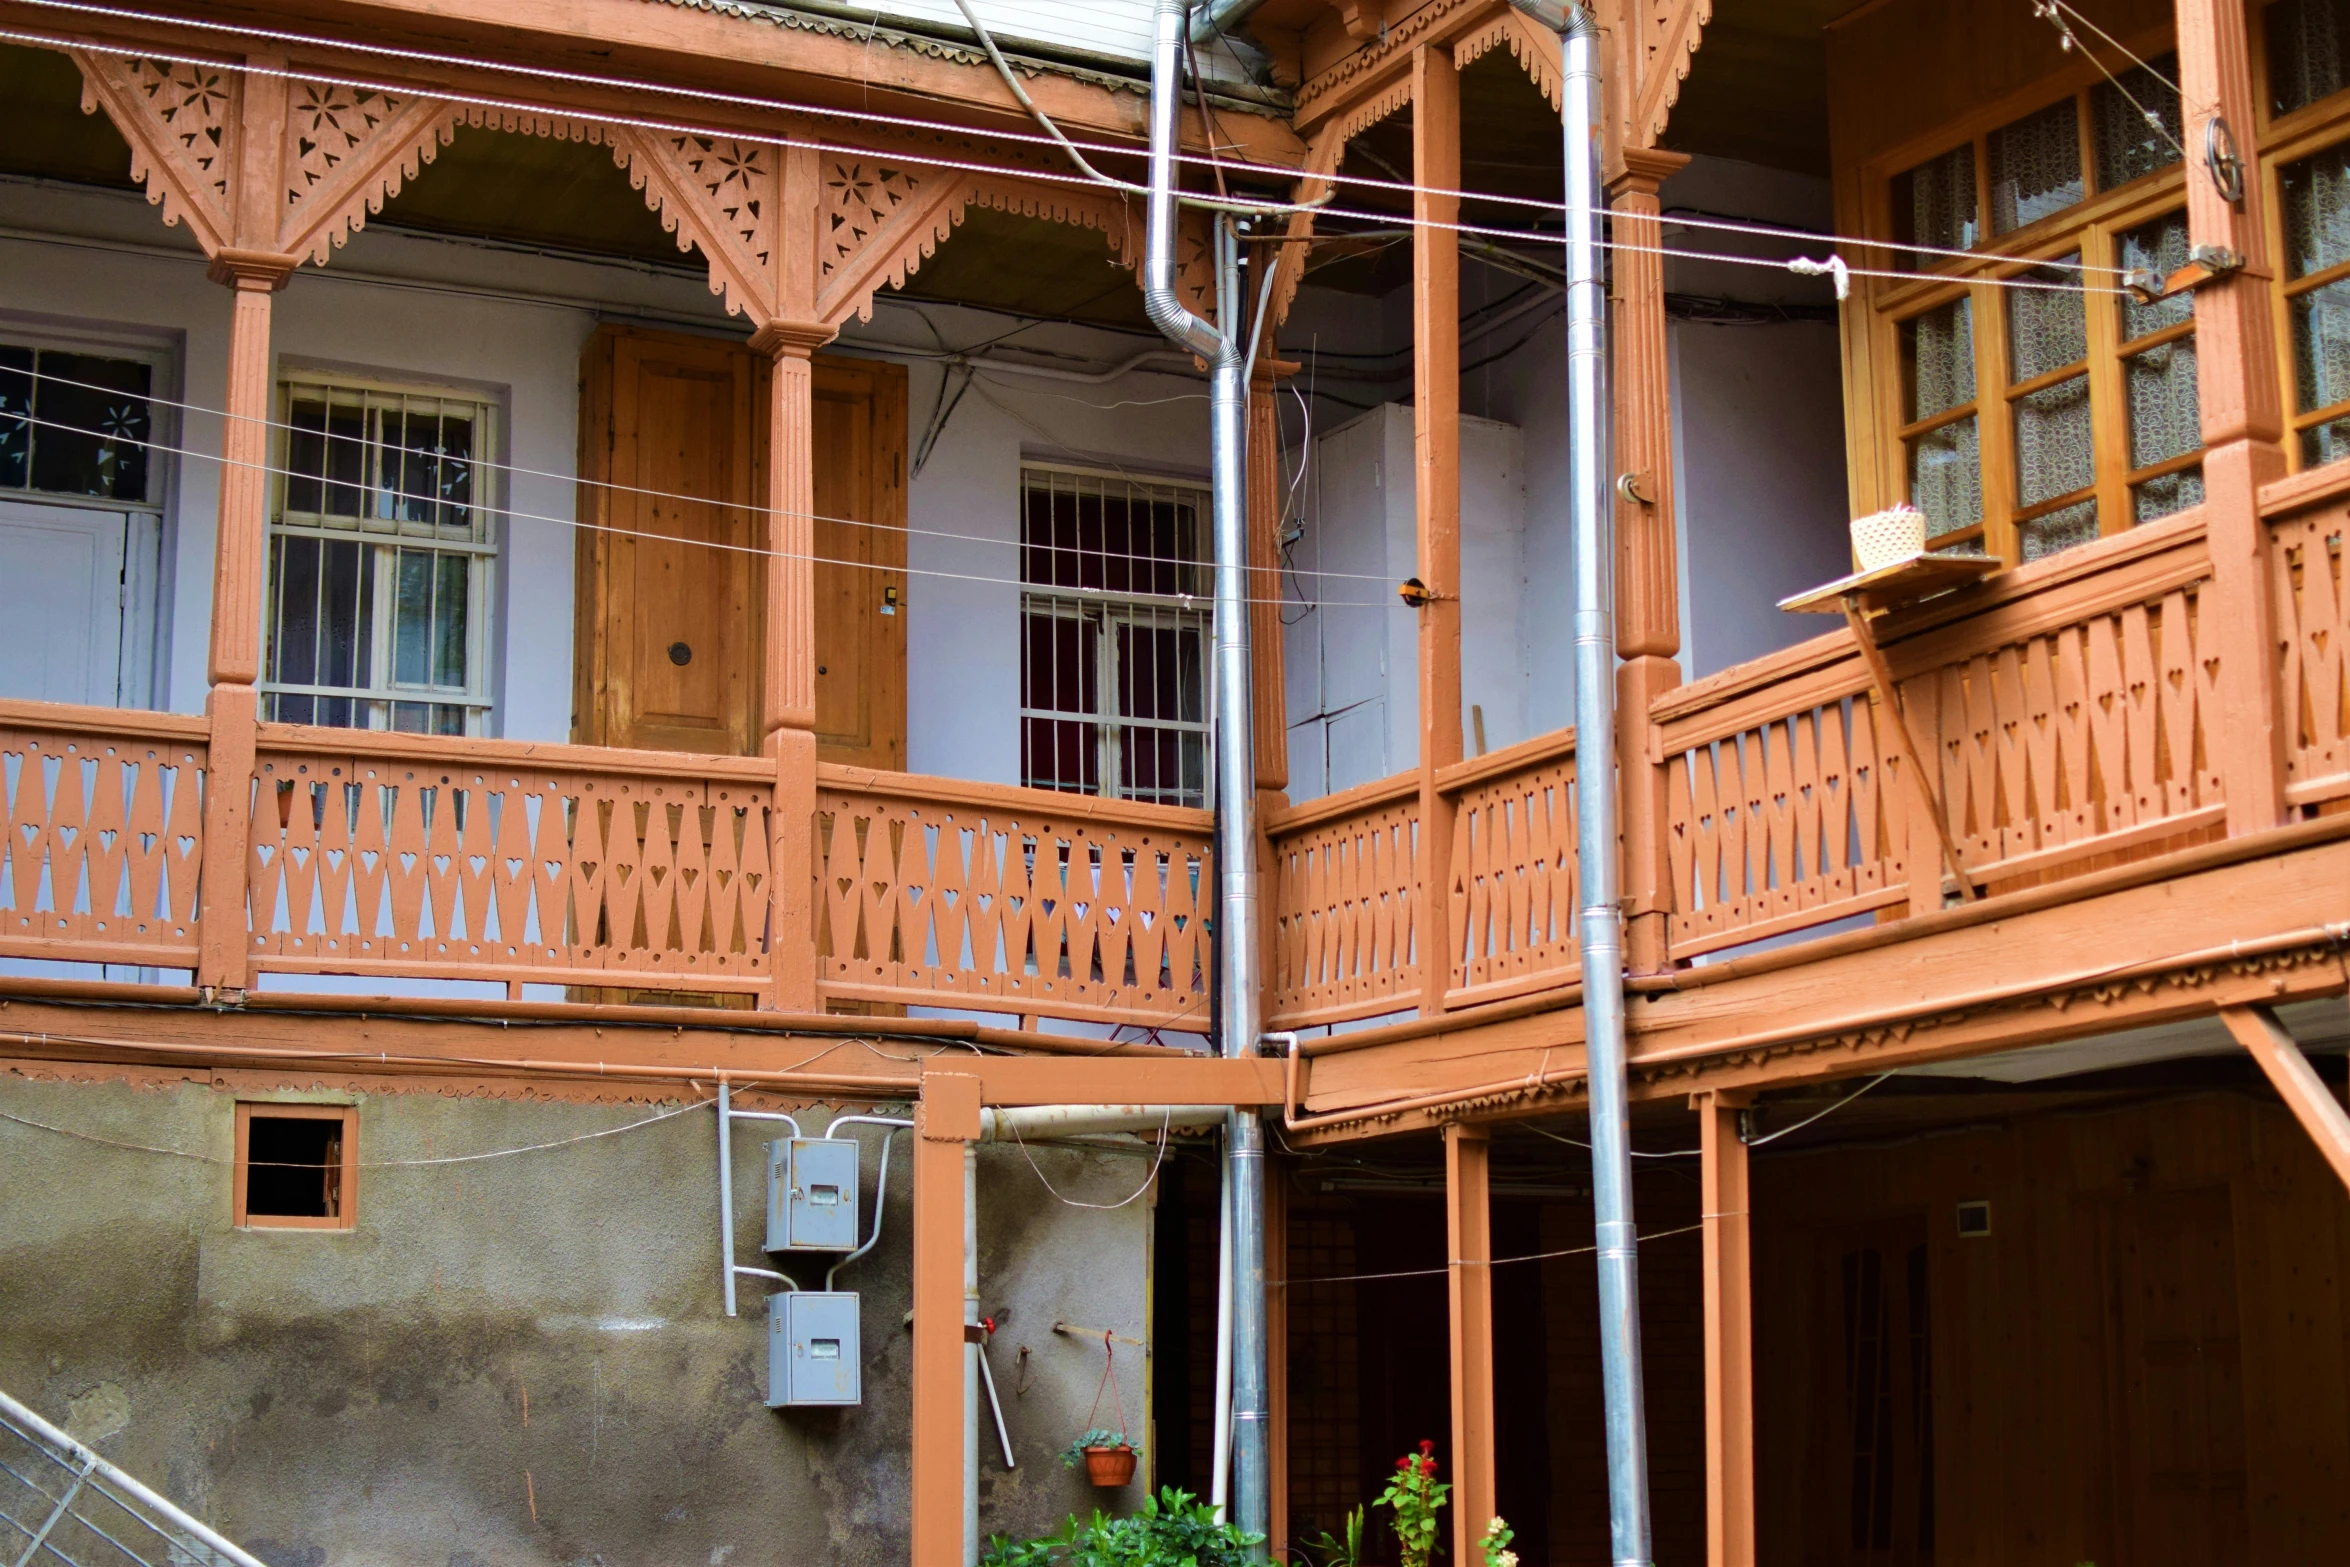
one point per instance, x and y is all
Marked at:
(74, 424)
(2308, 167)
(1114, 636)
(2033, 414)
(380, 554)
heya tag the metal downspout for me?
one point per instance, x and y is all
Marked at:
(1239, 1000)
(1600, 922)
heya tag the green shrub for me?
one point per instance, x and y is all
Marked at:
(1172, 1530)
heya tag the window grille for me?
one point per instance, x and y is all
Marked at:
(1115, 633)
(381, 547)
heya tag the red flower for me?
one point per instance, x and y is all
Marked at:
(1403, 1463)
(1428, 1466)
(1426, 1448)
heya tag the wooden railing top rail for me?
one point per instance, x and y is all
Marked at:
(533, 755)
(1551, 747)
(64, 717)
(1346, 802)
(2300, 491)
(1010, 797)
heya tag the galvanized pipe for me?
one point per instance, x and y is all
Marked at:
(1600, 922)
(1239, 999)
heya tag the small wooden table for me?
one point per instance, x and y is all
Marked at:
(1865, 594)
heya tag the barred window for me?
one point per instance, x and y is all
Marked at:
(1114, 641)
(75, 424)
(380, 552)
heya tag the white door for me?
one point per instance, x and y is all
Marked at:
(61, 603)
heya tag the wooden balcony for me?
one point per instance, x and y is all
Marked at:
(2070, 708)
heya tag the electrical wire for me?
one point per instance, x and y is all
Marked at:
(1490, 1262)
(2052, 11)
(331, 437)
(1157, 1159)
(364, 1164)
(1178, 600)
(1404, 187)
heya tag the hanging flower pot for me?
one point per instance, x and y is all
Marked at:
(1109, 1466)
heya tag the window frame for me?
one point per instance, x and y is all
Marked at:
(1112, 605)
(2091, 226)
(346, 1216)
(2285, 140)
(163, 392)
(380, 548)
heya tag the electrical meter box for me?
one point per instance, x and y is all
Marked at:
(811, 1349)
(812, 1194)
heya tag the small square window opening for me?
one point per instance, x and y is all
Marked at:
(296, 1166)
(1974, 1219)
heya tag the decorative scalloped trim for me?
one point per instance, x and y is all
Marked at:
(321, 217)
(1371, 111)
(671, 196)
(1665, 64)
(915, 240)
(187, 186)
(1536, 52)
(1402, 37)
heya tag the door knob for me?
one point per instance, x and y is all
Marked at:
(680, 654)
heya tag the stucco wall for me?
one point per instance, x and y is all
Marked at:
(524, 1359)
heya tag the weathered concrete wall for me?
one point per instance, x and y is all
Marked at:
(524, 1359)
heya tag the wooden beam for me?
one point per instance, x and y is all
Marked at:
(1729, 1331)
(1178, 1080)
(2296, 1081)
(1436, 493)
(1276, 1354)
(1468, 1223)
(946, 1120)
(1999, 975)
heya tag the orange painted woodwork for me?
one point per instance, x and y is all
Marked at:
(396, 854)
(1512, 902)
(1468, 1224)
(1345, 904)
(110, 802)
(343, 1201)
(1436, 472)
(1024, 900)
(1729, 1331)
(2306, 564)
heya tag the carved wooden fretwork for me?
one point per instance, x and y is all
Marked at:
(719, 195)
(860, 198)
(181, 120)
(1650, 46)
(1536, 49)
(347, 152)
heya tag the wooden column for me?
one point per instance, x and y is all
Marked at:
(788, 671)
(239, 584)
(2243, 414)
(1436, 493)
(1468, 1223)
(2296, 1082)
(1729, 1332)
(1277, 1354)
(1270, 701)
(946, 1120)
(1648, 585)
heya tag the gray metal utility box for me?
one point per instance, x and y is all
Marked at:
(812, 1349)
(812, 1194)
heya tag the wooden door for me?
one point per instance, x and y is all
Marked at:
(860, 422)
(2177, 1400)
(669, 616)
(673, 436)
(1872, 1496)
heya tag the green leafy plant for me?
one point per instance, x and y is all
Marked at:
(1172, 1529)
(1341, 1550)
(1415, 1494)
(1495, 1542)
(1074, 1454)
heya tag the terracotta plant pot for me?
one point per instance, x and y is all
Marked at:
(1109, 1466)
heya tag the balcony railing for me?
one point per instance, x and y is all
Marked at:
(2070, 712)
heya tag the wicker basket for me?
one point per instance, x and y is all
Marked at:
(1886, 538)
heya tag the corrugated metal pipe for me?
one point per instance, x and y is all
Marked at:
(1220, 16)
(1238, 995)
(1600, 923)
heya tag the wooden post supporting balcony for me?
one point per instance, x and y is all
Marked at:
(1270, 702)
(2242, 410)
(789, 684)
(1468, 1217)
(1648, 591)
(241, 550)
(944, 1123)
(1436, 495)
(1729, 1332)
(1276, 1355)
